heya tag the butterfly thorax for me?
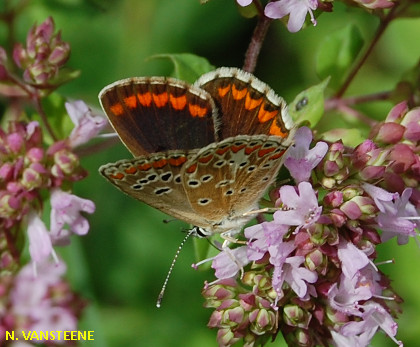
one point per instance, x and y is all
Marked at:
(230, 225)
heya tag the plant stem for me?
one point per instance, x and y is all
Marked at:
(334, 103)
(381, 29)
(90, 149)
(254, 48)
(39, 108)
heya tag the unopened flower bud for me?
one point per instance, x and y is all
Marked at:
(226, 337)
(389, 133)
(411, 122)
(316, 261)
(295, 316)
(66, 162)
(262, 321)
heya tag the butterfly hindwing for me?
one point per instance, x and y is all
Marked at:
(227, 179)
(154, 180)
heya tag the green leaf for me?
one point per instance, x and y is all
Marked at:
(411, 11)
(187, 67)
(350, 137)
(64, 76)
(56, 113)
(309, 104)
(204, 249)
(337, 52)
(201, 248)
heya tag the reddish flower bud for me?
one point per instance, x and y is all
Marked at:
(390, 133)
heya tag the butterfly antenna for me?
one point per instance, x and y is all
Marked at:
(162, 291)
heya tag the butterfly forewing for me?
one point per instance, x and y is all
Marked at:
(156, 181)
(248, 106)
(156, 114)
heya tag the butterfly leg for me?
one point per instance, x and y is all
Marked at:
(228, 251)
(228, 239)
(262, 210)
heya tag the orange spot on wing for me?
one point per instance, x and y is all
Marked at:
(264, 115)
(117, 109)
(249, 150)
(117, 176)
(144, 167)
(223, 90)
(178, 103)
(131, 101)
(206, 159)
(191, 169)
(238, 94)
(177, 161)
(263, 152)
(251, 103)
(160, 100)
(145, 99)
(222, 151)
(276, 130)
(131, 170)
(236, 149)
(277, 156)
(197, 111)
(159, 163)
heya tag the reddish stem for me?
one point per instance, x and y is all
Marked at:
(254, 48)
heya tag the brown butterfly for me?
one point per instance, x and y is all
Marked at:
(204, 153)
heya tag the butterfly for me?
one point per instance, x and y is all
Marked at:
(203, 153)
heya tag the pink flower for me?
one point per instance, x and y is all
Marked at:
(298, 208)
(229, 262)
(352, 258)
(396, 218)
(65, 210)
(87, 124)
(295, 275)
(296, 9)
(44, 302)
(300, 159)
(373, 316)
(244, 3)
(40, 246)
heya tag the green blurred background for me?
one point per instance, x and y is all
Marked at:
(121, 264)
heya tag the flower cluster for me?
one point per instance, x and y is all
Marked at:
(28, 171)
(38, 304)
(297, 10)
(36, 166)
(310, 273)
(41, 63)
(45, 53)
